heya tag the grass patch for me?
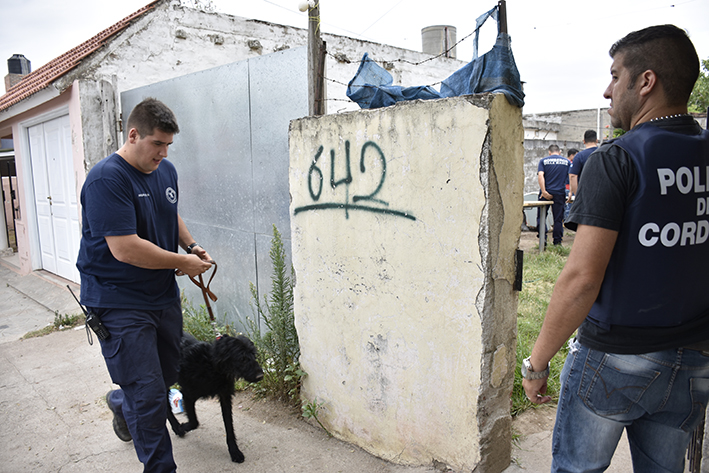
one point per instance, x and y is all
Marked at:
(541, 270)
(61, 322)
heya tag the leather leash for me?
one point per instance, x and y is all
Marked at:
(208, 294)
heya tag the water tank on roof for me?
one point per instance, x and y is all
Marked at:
(439, 39)
(19, 64)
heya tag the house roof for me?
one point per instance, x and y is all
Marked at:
(54, 69)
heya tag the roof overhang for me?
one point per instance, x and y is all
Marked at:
(34, 101)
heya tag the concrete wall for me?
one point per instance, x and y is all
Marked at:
(564, 129)
(571, 125)
(404, 226)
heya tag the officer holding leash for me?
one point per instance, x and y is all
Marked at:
(128, 260)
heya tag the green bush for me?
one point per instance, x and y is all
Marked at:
(273, 331)
(197, 323)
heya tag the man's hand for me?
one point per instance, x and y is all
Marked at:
(535, 388)
(204, 258)
(572, 300)
(192, 265)
(132, 249)
(547, 195)
(573, 184)
(202, 253)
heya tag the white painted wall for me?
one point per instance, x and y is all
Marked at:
(402, 333)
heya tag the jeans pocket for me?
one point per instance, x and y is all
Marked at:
(699, 390)
(118, 361)
(612, 384)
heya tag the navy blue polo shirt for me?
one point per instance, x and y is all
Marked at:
(116, 200)
(556, 173)
(580, 160)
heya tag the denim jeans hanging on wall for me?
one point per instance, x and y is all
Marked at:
(494, 71)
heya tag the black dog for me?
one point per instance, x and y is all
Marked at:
(210, 370)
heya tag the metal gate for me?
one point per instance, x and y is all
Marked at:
(232, 158)
(10, 203)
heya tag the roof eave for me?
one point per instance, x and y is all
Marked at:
(38, 98)
(54, 70)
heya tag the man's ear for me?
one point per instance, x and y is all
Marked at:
(647, 82)
(133, 135)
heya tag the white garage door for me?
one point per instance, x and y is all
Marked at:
(55, 196)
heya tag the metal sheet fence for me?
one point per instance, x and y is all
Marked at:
(232, 158)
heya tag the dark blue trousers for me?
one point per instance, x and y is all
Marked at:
(557, 210)
(142, 356)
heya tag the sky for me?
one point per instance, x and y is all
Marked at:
(560, 46)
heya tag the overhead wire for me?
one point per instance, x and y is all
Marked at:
(377, 20)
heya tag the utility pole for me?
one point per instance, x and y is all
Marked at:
(316, 60)
(503, 15)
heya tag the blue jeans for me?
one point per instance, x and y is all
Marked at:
(659, 398)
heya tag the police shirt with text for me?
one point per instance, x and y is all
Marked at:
(650, 185)
(556, 173)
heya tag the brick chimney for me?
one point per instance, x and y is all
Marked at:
(18, 67)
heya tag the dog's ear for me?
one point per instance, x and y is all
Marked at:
(237, 357)
(246, 342)
(227, 355)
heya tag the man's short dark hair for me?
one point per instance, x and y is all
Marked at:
(572, 152)
(151, 114)
(667, 51)
(590, 136)
(554, 148)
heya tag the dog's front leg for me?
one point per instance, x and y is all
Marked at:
(225, 401)
(188, 403)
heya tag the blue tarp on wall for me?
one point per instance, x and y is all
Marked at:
(494, 71)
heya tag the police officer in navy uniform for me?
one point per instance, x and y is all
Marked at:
(553, 175)
(632, 283)
(127, 260)
(590, 141)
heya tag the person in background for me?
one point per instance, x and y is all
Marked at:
(570, 155)
(131, 231)
(590, 141)
(640, 359)
(552, 174)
